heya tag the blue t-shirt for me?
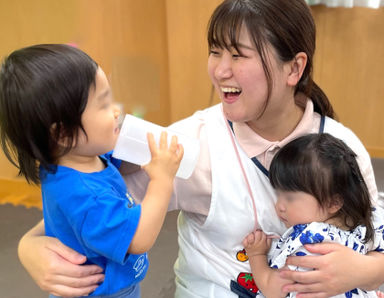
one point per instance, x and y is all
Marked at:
(94, 214)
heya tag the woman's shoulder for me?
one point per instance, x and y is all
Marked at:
(194, 124)
(345, 134)
(337, 129)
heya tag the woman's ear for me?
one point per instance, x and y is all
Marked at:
(297, 66)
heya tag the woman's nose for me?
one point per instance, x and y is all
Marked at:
(224, 68)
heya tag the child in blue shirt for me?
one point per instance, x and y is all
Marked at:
(58, 126)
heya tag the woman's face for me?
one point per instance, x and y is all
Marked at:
(241, 83)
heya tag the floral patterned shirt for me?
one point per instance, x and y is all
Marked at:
(293, 240)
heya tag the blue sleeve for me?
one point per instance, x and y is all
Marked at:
(109, 226)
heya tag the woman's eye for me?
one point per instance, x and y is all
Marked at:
(213, 52)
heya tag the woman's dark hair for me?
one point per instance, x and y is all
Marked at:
(287, 25)
(43, 93)
(326, 168)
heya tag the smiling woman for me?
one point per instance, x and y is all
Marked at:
(230, 174)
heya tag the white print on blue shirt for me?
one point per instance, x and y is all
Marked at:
(140, 265)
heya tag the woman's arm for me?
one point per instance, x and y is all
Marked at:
(338, 270)
(55, 267)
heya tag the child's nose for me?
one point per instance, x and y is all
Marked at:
(116, 111)
(279, 207)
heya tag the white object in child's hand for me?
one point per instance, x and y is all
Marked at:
(132, 144)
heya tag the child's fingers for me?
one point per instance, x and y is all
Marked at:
(248, 240)
(180, 152)
(258, 234)
(173, 145)
(151, 143)
(251, 238)
(245, 242)
(163, 140)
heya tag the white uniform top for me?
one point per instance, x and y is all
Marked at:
(210, 237)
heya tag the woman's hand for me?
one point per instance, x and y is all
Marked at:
(55, 267)
(338, 270)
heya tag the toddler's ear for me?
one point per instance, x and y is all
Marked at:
(58, 134)
(335, 204)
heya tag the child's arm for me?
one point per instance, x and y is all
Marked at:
(267, 279)
(161, 171)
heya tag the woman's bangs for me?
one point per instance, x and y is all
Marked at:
(224, 29)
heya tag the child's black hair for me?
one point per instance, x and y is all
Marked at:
(326, 168)
(43, 93)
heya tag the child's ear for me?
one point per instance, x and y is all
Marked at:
(58, 134)
(297, 66)
(335, 204)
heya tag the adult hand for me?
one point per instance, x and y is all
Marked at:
(57, 268)
(338, 269)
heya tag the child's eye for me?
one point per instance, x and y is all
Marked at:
(106, 105)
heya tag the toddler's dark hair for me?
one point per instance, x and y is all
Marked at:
(326, 168)
(43, 93)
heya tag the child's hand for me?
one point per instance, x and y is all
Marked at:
(256, 243)
(165, 160)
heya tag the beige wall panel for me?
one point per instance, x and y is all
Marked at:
(126, 37)
(25, 22)
(349, 66)
(190, 87)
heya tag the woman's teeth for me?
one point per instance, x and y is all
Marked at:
(230, 90)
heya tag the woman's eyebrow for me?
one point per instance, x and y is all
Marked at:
(240, 45)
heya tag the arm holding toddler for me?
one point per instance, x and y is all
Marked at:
(337, 270)
(56, 268)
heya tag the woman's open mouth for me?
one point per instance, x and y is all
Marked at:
(231, 94)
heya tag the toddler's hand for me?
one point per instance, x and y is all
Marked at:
(256, 243)
(165, 160)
